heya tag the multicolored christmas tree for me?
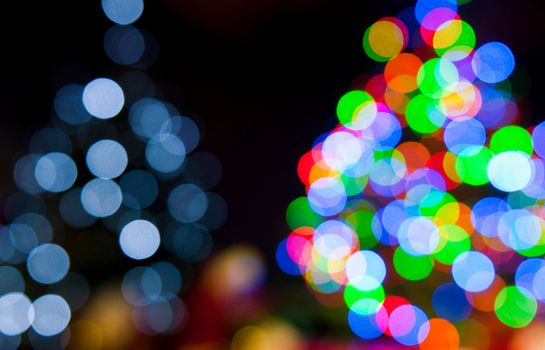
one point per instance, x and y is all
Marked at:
(427, 195)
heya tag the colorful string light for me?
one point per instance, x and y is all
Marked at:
(400, 190)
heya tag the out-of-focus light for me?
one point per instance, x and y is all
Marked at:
(17, 313)
(421, 200)
(411, 267)
(148, 117)
(124, 44)
(17, 241)
(10, 342)
(69, 105)
(22, 237)
(141, 285)
(171, 280)
(284, 261)
(48, 263)
(473, 271)
(408, 325)
(515, 307)
(268, 334)
(101, 197)
(123, 11)
(73, 288)
(103, 98)
(423, 7)
(216, 212)
(356, 109)
(190, 242)
(187, 203)
(52, 315)
(368, 326)
(165, 153)
(72, 212)
(11, 280)
(246, 273)
(23, 174)
(107, 159)
(493, 62)
(365, 270)
(441, 335)
(160, 316)
(511, 138)
(139, 239)
(56, 172)
(519, 229)
(186, 129)
(460, 134)
(385, 39)
(529, 338)
(418, 236)
(139, 189)
(48, 167)
(472, 164)
(538, 287)
(450, 302)
(538, 138)
(510, 171)
(327, 196)
(40, 226)
(38, 341)
(401, 72)
(342, 150)
(235, 272)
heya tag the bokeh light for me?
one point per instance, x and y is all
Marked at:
(56, 172)
(515, 307)
(48, 263)
(139, 239)
(86, 176)
(425, 188)
(139, 189)
(101, 197)
(17, 313)
(124, 44)
(493, 62)
(123, 11)
(426, 179)
(187, 203)
(107, 159)
(165, 153)
(510, 171)
(473, 271)
(72, 212)
(103, 98)
(69, 105)
(51, 315)
(11, 280)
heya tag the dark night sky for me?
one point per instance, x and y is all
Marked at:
(263, 77)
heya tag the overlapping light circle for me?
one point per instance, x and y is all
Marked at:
(139, 178)
(401, 189)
